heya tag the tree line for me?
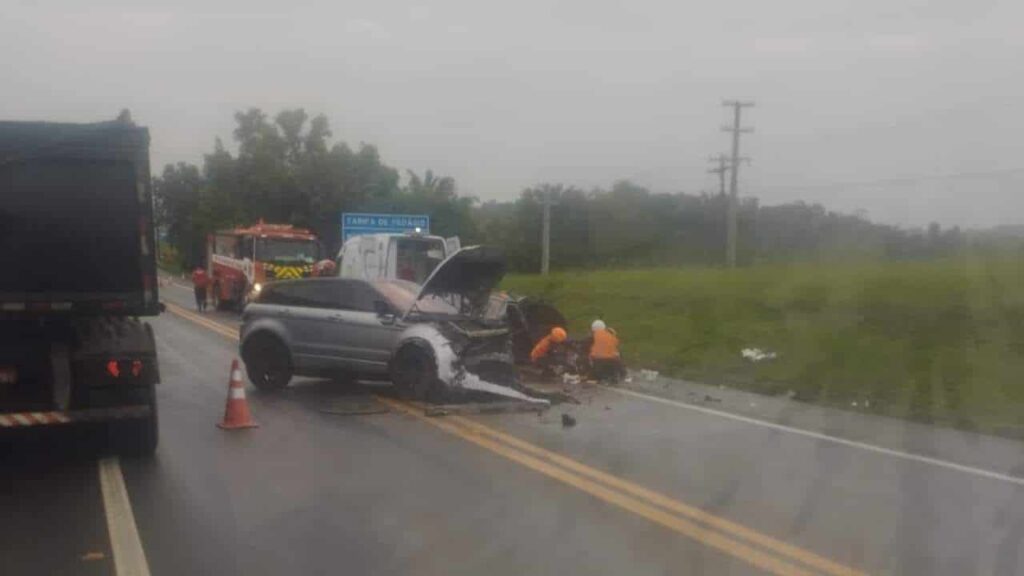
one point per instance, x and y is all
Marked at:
(287, 170)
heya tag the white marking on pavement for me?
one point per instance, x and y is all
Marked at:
(834, 439)
(129, 557)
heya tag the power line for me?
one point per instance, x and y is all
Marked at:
(900, 180)
(736, 129)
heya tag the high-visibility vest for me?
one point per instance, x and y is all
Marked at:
(605, 346)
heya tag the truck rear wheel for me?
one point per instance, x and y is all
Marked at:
(140, 436)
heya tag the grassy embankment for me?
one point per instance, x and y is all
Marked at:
(934, 341)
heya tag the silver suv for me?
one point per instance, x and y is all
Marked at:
(431, 339)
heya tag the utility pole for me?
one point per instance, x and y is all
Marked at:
(722, 170)
(730, 242)
(545, 239)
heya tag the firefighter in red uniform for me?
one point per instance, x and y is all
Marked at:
(200, 282)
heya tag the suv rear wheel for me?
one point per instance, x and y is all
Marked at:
(267, 362)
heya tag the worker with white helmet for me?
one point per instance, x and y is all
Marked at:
(605, 360)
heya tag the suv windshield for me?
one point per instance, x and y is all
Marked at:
(282, 250)
(402, 295)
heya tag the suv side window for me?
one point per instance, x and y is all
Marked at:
(361, 297)
(304, 293)
(315, 294)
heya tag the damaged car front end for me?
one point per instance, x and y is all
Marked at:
(450, 348)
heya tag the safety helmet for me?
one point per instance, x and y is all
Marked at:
(558, 334)
(597, 325)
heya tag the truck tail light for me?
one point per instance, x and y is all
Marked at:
(124, 368)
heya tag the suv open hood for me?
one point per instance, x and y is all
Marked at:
(471, 273)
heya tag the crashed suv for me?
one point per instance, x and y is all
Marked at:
(432, 340)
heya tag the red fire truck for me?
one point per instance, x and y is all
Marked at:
(242, 260)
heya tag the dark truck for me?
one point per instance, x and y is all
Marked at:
(77, 270)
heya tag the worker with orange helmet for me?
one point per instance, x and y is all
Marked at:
(541, 353)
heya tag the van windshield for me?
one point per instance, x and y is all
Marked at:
(416, 258)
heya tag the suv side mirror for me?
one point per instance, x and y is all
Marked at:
(384, 312)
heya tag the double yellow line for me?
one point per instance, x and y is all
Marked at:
(757, 549)
(217, 327)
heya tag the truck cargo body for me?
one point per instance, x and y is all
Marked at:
(77, 269)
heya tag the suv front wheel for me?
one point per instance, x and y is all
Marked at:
(414, 371)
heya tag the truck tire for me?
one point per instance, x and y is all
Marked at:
(138, 437)
(267, 362)
(414, 372)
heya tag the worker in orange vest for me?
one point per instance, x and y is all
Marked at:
(541, 355)
(200, 281)
(605, 360)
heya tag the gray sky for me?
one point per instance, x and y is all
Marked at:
(505, 95)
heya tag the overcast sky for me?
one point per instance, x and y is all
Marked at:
(861, 105)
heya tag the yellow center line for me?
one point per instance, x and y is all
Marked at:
(217, 327)
(689, 529)
(664, 501)
(654, 506)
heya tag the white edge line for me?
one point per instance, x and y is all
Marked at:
(129, 556)
(825, 437)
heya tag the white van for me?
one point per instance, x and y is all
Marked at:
(407, 256)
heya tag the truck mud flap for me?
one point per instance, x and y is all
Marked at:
(55, 418)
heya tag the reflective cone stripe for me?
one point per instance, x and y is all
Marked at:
(236, 411)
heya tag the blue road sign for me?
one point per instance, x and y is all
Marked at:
(357, 224)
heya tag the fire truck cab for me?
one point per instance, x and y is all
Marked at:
(242, 260)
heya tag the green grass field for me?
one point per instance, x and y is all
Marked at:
(934, 341)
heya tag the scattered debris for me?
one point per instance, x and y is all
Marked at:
(93, 556)
(568, 421)
(710, 398)
(628, 380)
(757, 354)
(791, 394)
(484, 408)
(354, 406)
(571, 378)
(649, 375)
(854, 404)
(607, 407)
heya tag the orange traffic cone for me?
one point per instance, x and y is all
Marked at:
(236, 413)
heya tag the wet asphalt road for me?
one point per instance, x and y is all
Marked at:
(636, 487)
